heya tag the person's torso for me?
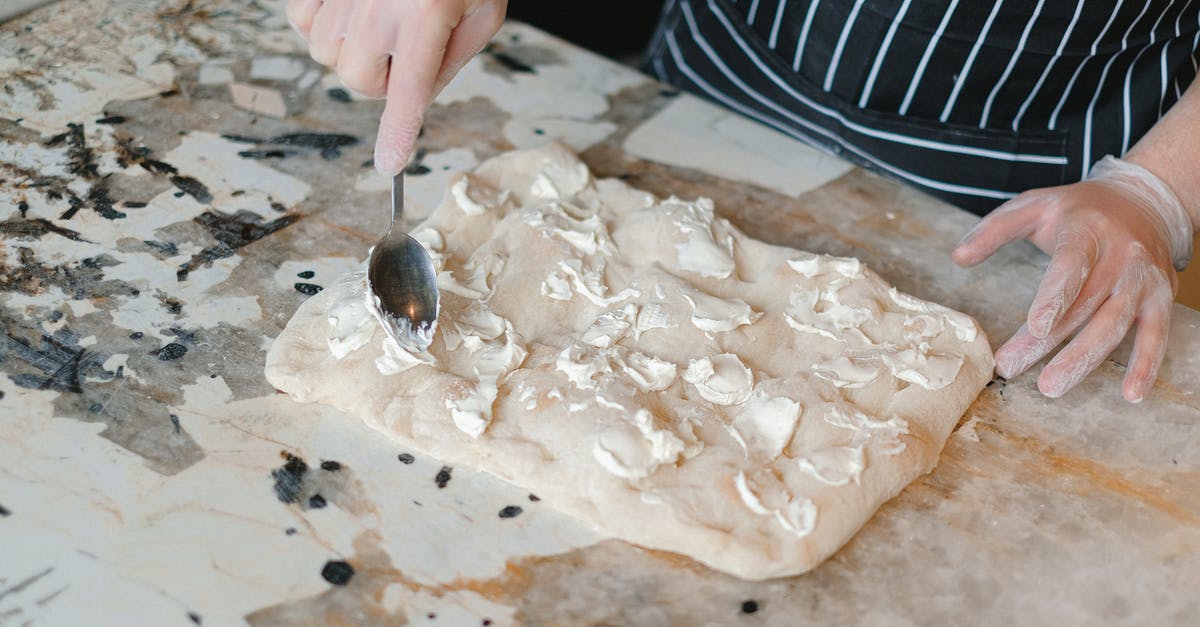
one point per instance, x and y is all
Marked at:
(1042, 87)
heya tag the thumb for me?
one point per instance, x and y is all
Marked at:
(412, 73)
(1014, 220)
(399, 125)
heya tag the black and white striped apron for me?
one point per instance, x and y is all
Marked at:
(972, 101)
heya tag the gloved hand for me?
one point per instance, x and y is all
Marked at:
(426, 42)
(1115, 240)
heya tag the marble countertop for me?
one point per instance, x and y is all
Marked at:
(176, 177)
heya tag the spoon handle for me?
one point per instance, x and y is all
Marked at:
(397, 197)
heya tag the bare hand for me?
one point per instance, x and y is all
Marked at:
(404, 50)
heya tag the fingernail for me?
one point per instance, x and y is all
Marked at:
(966, 239)
(387, 162)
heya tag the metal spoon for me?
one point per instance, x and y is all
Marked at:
(402, 282)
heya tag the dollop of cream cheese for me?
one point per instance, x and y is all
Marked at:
(835, 466)
(884, 435)
(722, 379)
(765, 425)
(714, 315)
(767, 497)
(636, 454)
(964, 327)
(699, 252)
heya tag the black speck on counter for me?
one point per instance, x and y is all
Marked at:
(195, 618)
(193, 187)
(175, 423)
(96, 408)
(136, 335)
(232, 231)
(511, 511)
(431, 615)
(243, 139)
(112, 119)
(171, 351)
(291, 531)
(307, 274)
(133, 204)
(289, 479)
(487, 622)
(317, 501)
(308, 289)
(180, 194)
(330, 144)
(538, 131)
(406, 458)
(749, 606)
(416, 169)
(338, 94)
(4, 511)
(267, 153)
(512, 63)
(337, 572)
(278, 206)
(535, 498)
(331, 466)
(443, 477)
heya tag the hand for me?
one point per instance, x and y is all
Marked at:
(1112, 240)
(426, 42)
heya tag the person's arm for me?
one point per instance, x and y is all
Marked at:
(404, 50)
(1115, 240)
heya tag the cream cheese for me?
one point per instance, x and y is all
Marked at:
(844, 371)
(699, 252)
(835, 466)
(631, 455)
(715, 315)
(765, 425)
(964, 327)
(460, 194)
(884, 435)
(722, 379)
(648, 373)
(796, 514)
(572, 278)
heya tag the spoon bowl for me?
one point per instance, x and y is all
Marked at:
(402, 282)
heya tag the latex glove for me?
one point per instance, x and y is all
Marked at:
(404, 50)
(1115, 242)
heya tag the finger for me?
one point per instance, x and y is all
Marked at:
(329, 31)
(1024, 349)
(469, 37)
(363, 66)
(300, 15)
(1074, 255)
(421, 44)
(1014, 220)
(1100, 337)
(1149, 347)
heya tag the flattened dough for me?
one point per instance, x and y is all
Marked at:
(647, 368)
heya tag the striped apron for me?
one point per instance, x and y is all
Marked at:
(972, 101)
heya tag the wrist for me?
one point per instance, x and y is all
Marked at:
(1156, 196)
(1187, 194)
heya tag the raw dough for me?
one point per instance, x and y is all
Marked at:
(647, 368)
